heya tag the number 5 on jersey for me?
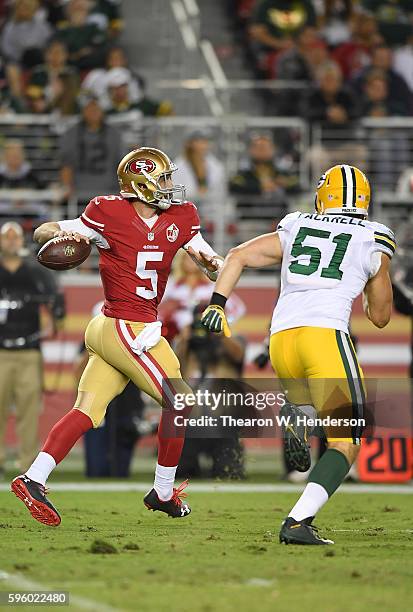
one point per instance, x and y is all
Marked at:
(147, 274)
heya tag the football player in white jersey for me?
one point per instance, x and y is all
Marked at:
(327, 259)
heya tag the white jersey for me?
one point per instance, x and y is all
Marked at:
(327, 261)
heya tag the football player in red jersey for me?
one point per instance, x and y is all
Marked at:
(137, 234)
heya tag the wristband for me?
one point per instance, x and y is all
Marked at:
(218, 300)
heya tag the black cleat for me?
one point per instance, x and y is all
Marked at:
(33, 495)
(301, 532)
(172, 507)
(295, 438)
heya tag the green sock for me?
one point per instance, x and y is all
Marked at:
(330, 470)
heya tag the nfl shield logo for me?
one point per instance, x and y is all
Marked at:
(172, 232)
(151, 236)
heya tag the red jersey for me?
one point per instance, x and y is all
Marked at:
(136, 265)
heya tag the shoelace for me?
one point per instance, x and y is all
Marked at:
(44, 490)
(178, 494)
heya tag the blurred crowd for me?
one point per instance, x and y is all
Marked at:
(355, 56)
(53, 51)
(63, 61)
(337, 60)
(89, 152)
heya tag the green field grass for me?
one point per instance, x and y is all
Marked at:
(224, 557)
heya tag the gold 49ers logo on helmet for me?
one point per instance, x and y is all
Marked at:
(137, 165)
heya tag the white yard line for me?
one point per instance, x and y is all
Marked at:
(17, 581)
(119, 487)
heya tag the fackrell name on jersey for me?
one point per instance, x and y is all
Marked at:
(334, 219)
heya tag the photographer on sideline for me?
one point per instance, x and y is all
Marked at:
(206, 357)
(24, 287)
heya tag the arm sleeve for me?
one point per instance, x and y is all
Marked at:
(84, 226)
(198, 243)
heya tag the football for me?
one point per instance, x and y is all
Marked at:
(63, 253)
